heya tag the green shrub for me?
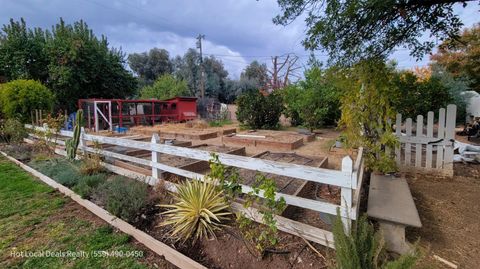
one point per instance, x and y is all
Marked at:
(62, 171)
(12, 131)
(198, 210)
(258, 111)
(165, 87)
(123, 197)
(18, 98)
(363, 248)
(87, 184)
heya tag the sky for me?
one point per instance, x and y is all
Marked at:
(236, 31)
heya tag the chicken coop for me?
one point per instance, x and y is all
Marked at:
(107, 114)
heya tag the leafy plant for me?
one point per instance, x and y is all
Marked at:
(123, 197)
(199, 209)
(166, 86)
(92, 162)
(258, 111)
(62, 171)
(262, 237)
(12, 131)
(363, 248)
(87, 184)
(227, 179)
(367, 111)
(19, 97)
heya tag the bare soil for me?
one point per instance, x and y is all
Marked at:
(449, 211)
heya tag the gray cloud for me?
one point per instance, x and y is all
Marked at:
(235, 30)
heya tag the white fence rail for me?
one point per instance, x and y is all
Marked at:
(417, 147)
(349, 178)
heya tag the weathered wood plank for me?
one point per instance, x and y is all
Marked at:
(440, 135)
(346, 198)
(428, 161)
(408, 149)
(449, 135)
(418, 147)
(398, 133)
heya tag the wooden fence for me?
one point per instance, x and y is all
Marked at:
(430, 151)
(349, 178)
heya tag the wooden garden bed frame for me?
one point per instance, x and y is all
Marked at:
(349, 179)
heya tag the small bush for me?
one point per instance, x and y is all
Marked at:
(219, 123)
(86, 185)
(258, 111)
(22, 152)
(62, 171)
(363, 248)
(12, 131)
(19, 97)
(198, 211)
(123, 197)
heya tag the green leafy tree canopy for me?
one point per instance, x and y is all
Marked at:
(353, 30)
(165, 87)
(18, 98)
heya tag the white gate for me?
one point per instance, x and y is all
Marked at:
(430, 151)
(98, 111)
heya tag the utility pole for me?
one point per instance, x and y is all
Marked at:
(202, 69)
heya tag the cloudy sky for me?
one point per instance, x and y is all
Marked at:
(236, 31)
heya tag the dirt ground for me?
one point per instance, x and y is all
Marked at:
(449, 211)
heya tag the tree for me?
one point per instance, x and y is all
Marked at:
(257, 73)
(69, 59)
(413, 96)
(259, 111)
(165, 87)
(149, 66)
(313, 102)
(461, 57)
(188, 69)
(353, 30)
(18, 98)
(22, 54)
(367, 111)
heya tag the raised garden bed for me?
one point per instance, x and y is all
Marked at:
(182, 132)
(269, 140)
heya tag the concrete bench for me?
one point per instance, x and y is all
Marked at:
(391, 204)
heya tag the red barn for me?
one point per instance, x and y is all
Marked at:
(103, 114)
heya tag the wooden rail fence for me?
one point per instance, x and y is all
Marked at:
(349, 178)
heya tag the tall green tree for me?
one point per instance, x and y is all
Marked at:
(461, 57)
(69, 59)
(256, 72)
(165, 87)
(149, 66)
(359, 29)
(22, 52)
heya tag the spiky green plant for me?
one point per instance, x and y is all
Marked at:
(198, 210)
(363, 248)
(71, 144)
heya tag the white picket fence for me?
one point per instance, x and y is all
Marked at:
(349, 178)
(417, 147)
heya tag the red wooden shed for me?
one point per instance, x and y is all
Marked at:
(103, 114)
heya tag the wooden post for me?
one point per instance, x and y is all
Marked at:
(428, 161)
(418, 148)
(449, 135)
(36, 117)
(156, 173)
(346, 193)
(440, 135)
(408, 146)
(398, 133)
(83, 141)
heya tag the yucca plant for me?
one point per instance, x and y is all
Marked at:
(198, 210)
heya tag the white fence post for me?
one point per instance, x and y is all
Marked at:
(440, 135)
(449, 135)
(428, 161)
(408, 146)
(83, 142)
(156, 173)
(346, 193)
(418, 147)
